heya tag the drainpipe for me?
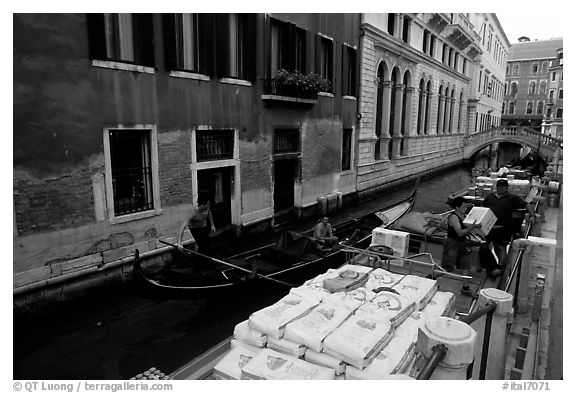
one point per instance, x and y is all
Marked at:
(89, 271)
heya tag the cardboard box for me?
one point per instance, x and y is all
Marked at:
(396, 240)
(481, 215)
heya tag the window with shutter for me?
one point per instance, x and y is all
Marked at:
(124, 38)
(188, 42)
(324, 64)
(348, 71)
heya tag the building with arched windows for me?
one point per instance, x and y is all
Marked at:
(416, 100)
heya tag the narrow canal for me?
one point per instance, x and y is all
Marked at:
(122, 333)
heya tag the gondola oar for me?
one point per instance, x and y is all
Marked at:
(190, 252)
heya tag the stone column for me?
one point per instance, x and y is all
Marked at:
(422, 111)
(440, 125)
(458, 337)
(496, 361)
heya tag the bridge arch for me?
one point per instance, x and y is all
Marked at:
(543, 145)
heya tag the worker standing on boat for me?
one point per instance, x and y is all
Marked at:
(197, 222)
(502, 204)
(455, 252)
(323, 233)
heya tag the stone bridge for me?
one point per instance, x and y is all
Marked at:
(545, 146)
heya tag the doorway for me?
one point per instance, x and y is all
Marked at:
(284, 175)
(216, 185)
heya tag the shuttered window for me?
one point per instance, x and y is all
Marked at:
(236, 46)
(126, 38)
(348, 71)
(346, 149)
(287, 47)
(189, 42)
(324, 59)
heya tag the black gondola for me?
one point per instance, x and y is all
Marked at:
(293, 259)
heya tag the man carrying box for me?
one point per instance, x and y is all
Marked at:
(502, 204)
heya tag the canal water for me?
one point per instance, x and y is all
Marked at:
(122, 333)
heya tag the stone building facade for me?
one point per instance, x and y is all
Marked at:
(415, 86)
(488, 80)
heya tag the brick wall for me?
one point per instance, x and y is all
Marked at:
(53, 204)
(175, 177)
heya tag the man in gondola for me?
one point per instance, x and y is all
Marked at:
(324, 235)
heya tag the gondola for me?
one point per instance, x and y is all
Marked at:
(292, 260)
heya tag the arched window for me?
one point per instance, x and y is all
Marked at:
(392, 114)
(460, 105)
(379, 103)
(540, 108)
(439, 114)
(451, 116)
(427, 109)
(447, 106)
(513, 89)
(542, 87)
(511, 108)
(420, 106)
(532, 89)
(529, 108)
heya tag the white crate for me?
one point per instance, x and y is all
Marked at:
(481, 215)
(396, 240)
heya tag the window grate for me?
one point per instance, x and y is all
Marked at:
(131, 171)
(286, 141)
(214, 145)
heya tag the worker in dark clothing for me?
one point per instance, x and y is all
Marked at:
(502, 204)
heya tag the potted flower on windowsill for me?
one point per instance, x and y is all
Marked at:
(296, 84)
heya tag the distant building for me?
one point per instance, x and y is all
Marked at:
(528, 82)
(488, 80)
(552, 123)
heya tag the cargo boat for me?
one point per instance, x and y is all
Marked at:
(416, 263)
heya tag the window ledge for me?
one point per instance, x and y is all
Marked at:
(325, 94)
(233, 81)
(123, 66)
(351, 98)
(135, 216)
(189, 75)
(273, 97)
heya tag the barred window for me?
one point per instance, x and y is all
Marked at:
(347, 149)
(131, 167)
